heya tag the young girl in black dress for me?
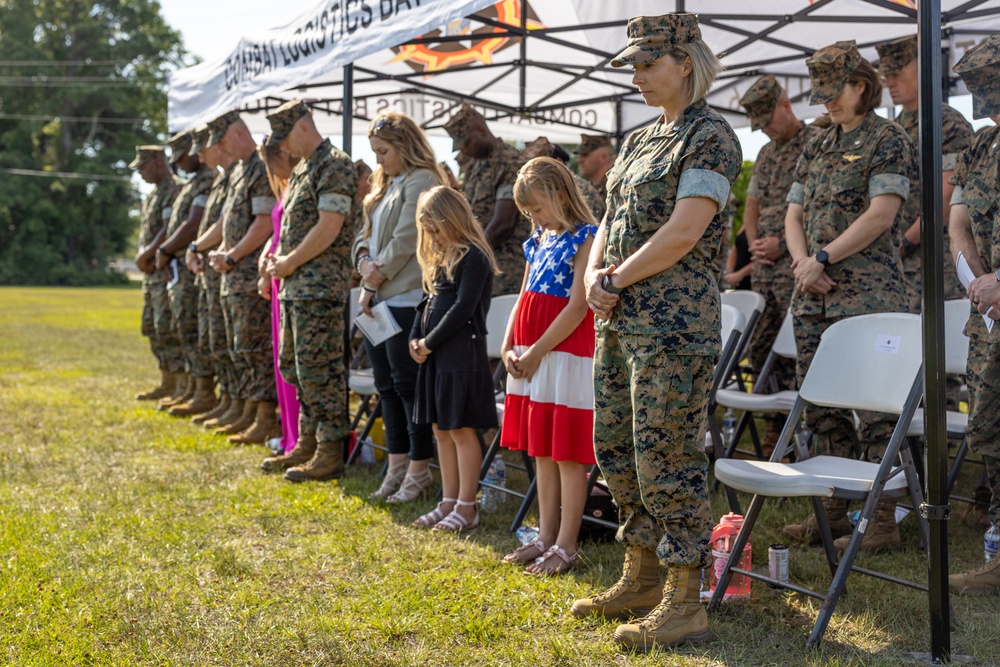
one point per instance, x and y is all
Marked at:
(454, 389)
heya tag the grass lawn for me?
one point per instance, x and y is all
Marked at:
(128, 537)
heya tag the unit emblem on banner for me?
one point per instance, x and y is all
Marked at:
(480, 45)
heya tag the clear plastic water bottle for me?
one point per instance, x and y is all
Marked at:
(728, 427)
(496, 475)
(525, 534)
(991, 542)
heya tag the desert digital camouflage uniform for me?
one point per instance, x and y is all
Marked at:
(488, 180)
(211, 320)
(248, 316)
(314, 297)
(184, 294)
(157, 320)
(977, 185)
(835, 179)
(654, 358)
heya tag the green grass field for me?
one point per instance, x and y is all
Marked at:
(128, 537)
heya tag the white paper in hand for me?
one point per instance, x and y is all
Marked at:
(380, 326)
(966, 276)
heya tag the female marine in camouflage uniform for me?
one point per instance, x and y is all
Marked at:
(653, 285)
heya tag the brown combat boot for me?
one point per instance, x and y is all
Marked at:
(326, 463)
(242, 423)
(301, 453)
(808, 530)
(184, 384)
(984, 581)
(882, 532)
(678, 618)
(220, 409)
(234, 412)
(265, 426)
(165, 388)
(635, 594)
(202, 401)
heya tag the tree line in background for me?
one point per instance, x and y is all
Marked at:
(82, 82)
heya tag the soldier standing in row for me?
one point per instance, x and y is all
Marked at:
(770, 110)
(313, 262)
(975, 232)
(188, 209)
(488, 184)
(246, 225)
(596, 156)
(542, 147)
(157, 324)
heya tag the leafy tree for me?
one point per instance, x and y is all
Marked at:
(82, 82)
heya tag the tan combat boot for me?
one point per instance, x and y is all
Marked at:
(234, 412)
(242, 423)
(265, 426)
(984, 581)
(678, 618)
(220, 409)
(326, 463)
(635, 594)
(882, 532)
(202, 401)
(166, 388)
(808, 530)
(301, 453)
(180, 392)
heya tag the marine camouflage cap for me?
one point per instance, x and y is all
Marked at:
(180, 144)
(651, 37)
(760, 101)
(980, 70)
(591, 142)
(830, 69)
(217, 128)
(540, 147)
(284, 118)
(459, 126)
(199, 138)
(897, 54)
(144, 154)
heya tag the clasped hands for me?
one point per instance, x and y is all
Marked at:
(599, 300)
(521, 367)
(418, 350)
(984, 293)
(810, 276)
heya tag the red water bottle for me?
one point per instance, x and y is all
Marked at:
(723, 537)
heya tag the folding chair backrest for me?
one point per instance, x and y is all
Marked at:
(355, 308)
(496, 322)
(956, 343)
(733, 326)
(868, 362)
(733, 322)
(784, 343)
(746, 301)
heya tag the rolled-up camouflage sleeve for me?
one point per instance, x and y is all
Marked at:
(261, 196)
(336, 187)
(892, 165)
(708, 170)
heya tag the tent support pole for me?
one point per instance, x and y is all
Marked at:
(348, 131)
(524, 58)
(936, 508)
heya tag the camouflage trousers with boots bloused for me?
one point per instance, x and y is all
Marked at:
(157, 325)
(305, 448)
(184, 306)
(248, 335)
(311, 359)
(212, 339)
(678, 618)
(634, 595)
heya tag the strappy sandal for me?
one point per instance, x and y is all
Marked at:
(412, 486)
(526, 553)
(455, 522)
(565, 563)
(435, 516)
(390, 483)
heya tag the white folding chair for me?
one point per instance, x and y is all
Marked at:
(733, 329)
(361, 381)
(869, 362)
(751, 304)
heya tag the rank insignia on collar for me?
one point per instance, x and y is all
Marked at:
(852, 158)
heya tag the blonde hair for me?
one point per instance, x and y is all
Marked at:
(705, 67)
(545, 181)
(446, 229)
(268, 155)
(402, 133)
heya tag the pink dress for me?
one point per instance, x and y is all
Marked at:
(288, 400)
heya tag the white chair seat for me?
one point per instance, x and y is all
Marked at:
(817, 476)
(781, 401)
(958, 423)
(362, 381)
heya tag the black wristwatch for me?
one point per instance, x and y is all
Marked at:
(823, 258)
(229, 260)
(194, 248)
(608, 286)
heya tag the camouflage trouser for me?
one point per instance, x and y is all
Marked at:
(212, 329)
(510, 259)
(248, 334)
(157, 324)
(984, 403)
(777, 296)
(913, 268)
(833, 429)
(184, 306)
(311, 359)
(650, 411)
